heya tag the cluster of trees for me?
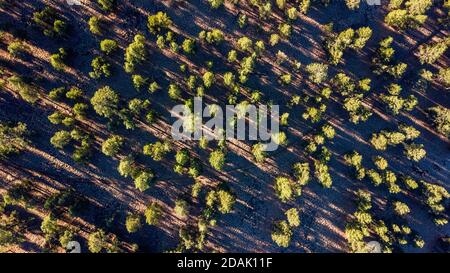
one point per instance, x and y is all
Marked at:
(282, 229)
(384, 61)
(407, 14)
(415, 152)
(50, 22)
(353, 93)
(364, 227)
(396, 103)
(337, 43)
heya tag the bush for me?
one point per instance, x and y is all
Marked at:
(105, 102)
(133, 223)
(108, 46)
(12, 139)
(153, 213)
(60, 139)
(112, 145)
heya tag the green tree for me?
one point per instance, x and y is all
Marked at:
(415, 152)
(153, 213)
(293, 217)
(112, 145)
(106, 5)
(12, 138)
(27, 92)
(318, 72)
(181, 208)
(159, 21)
(217, 159)
(135, 53)
(143, 179)
(133, 222)
(95, 25)
(157, 150)
(105, 102)
(108, 46)
(60, 139)
(97, 241)
(282, 234)
(441, 119)
(225, 201)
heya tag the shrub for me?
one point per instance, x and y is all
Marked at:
(153, 213)
(108, 46)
